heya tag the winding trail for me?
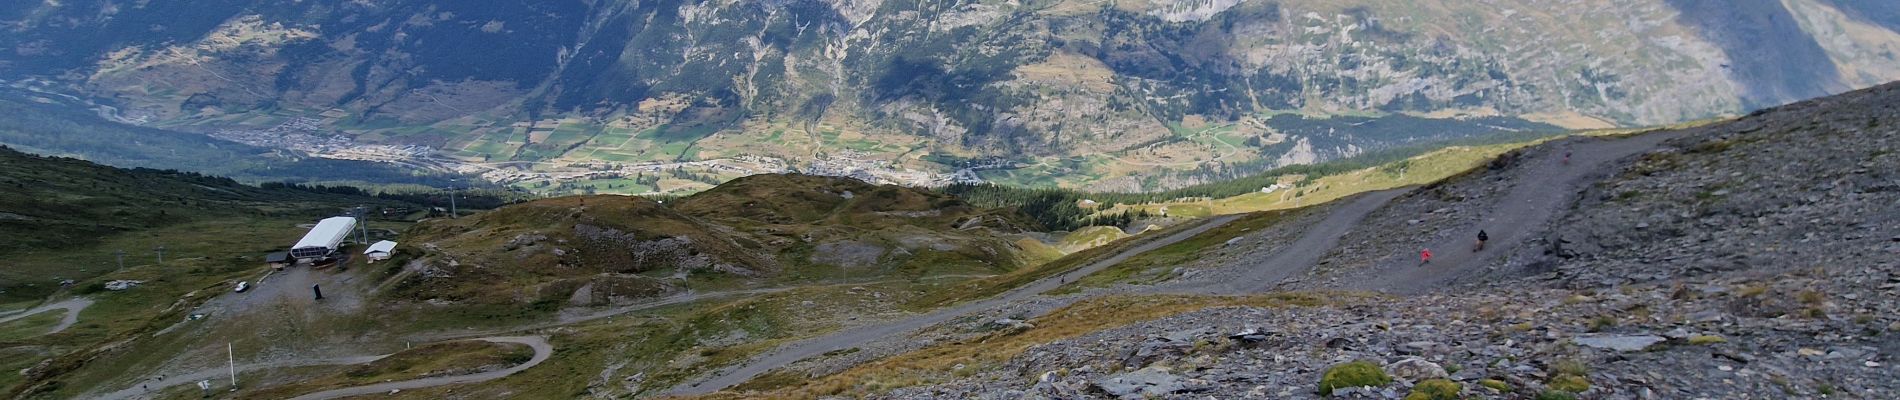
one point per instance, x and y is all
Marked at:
(855, 336)
(1543, 185)
(72, 306)
(542, 350)
(1305, 252)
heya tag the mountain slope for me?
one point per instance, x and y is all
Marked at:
(1721, 261)
(1096, 91)
(67, 219)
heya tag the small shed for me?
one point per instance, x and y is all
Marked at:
(278, 259)
(380, 250)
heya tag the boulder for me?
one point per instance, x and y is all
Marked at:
(1142, 383)
(1416, 369)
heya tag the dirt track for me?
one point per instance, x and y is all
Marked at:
(72, 306)
(1544, 186)
(856, 336)
(541, 352)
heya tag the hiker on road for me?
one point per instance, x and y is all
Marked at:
(1481, 238)
(1425, 256)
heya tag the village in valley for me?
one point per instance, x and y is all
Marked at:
(311, 136)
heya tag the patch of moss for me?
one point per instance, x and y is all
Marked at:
(1568, 367)
(1706, 339)
(1352, 374)
(1556, 395)
(1435, 389)
(1602, 322)
(1494, 384)
(1570, 383)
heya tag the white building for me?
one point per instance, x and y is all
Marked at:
(380, 251)
(323, 239)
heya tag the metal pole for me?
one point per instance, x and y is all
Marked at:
(362, 221)
(121, 255)
(451, 199)
(161, 254)
(231, 357)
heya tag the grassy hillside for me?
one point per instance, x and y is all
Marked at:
(764, 230)
(62, 218)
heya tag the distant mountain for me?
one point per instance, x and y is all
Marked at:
(1121, 95)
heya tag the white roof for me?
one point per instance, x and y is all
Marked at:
(383, 246)
(327, 233)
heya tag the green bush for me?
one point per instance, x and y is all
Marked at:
(1435, 389)
(1352, 374)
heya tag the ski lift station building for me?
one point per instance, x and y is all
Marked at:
(380, 251)
(323, 239)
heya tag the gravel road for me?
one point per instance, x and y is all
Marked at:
(72, 307)
(541, 352)
(1545, 185)
(856, 336)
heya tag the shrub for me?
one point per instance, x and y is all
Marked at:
(1811, 297)
(1435, 389)
(1352, 374)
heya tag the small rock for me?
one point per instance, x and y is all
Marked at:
(1872, 364)
(1416, 369)
(1677, 334)
(1418, 347)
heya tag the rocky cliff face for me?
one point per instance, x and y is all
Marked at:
(958, 79)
